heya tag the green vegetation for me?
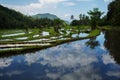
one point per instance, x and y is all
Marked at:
(83, 20)
(113, 15)
(94, 33)
(31, 42)
(94, 17)
(8, 21)
(20, 21)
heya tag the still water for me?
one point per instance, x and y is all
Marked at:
(96, 58)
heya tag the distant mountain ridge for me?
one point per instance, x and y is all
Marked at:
(45, 15)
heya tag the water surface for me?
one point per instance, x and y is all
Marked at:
(96, 58)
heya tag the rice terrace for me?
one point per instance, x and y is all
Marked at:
(60, 40)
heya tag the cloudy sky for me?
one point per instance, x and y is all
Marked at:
(62, 8)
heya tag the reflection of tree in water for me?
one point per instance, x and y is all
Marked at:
(112, 43)
(92, 43)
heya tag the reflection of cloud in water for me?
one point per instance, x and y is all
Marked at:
(11, 73)
(1, 74)
(107, 59)
(70, 57)
(114, 73)
(63, 56)
(53, 76)
(31, 58)
(14, 73)
(5, 62)
(103, 48)
(84, 73)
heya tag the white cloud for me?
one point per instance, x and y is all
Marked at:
(51, 1)
(34, 8)
(94, 0)
(108, 0)
(69, 4)
(85, 0)
(67, 15)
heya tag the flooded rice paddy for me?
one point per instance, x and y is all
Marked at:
(96, 58)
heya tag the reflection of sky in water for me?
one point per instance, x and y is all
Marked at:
(45, 33)
(101, 41)
(80, 35)
(70, 61)
(5, 62)
(21, 38)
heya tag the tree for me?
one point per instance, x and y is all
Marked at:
(74, 23)
(103, 21)
(113, 14)
(72, 17)
(11, 19)
(58, 23)
(95, 17)
(80, 16)
(83, 19)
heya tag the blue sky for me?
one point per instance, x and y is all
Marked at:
(62, 8)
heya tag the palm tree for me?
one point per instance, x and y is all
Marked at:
(80, 16)
(72, 17)
(95, 17)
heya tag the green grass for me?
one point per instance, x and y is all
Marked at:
(50, 30)
(109, 28)
(10, 31)
(81, 27)
(24, 49)
(94, 33)
(105, 27)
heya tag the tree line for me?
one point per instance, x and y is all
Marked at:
(95, 16)
(113, 15)
(93, 19)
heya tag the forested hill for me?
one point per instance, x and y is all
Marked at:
(12, 19)
(45, 15)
